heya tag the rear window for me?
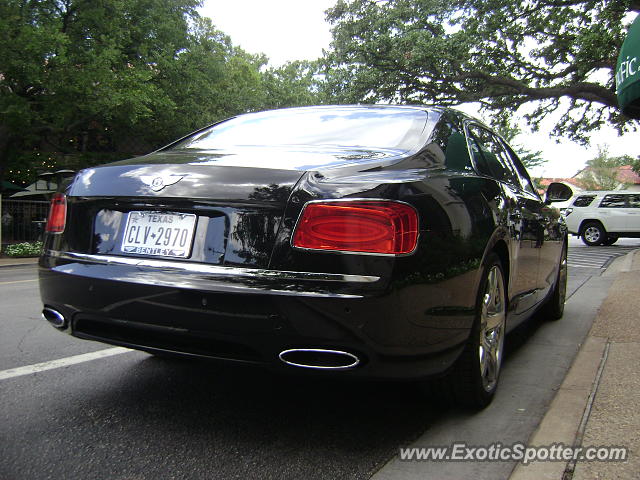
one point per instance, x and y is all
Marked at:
(614, 201)
(373, 127)
(583, 200)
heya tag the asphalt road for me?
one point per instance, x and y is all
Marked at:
(132, 416)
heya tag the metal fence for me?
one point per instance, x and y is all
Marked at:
(22, 220)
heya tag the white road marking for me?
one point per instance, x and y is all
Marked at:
(61, 362)
(19, 281)
(595, 257)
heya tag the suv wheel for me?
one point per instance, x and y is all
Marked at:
(593, 233)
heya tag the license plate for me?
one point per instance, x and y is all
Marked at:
(159, 234)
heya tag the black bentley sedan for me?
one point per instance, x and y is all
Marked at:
(389, 242)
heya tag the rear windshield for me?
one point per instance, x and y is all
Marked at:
(583, 200)
(370, 127)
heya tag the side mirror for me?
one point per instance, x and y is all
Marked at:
(557, 192)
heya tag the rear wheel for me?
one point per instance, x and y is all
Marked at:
(611, 239)
(593, 233)
(474, 378)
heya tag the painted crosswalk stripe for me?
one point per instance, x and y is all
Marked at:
(595, 257)
(61, 362)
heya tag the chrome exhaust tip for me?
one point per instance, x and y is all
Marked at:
(318, 358)
(54, 317)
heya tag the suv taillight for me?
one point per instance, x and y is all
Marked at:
(380, 226)
(57, 214)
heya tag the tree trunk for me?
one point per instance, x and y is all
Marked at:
(6, 137)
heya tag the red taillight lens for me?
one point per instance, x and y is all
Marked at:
(386, 227)
(57, 214)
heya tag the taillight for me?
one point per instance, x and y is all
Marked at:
(383, 227)
(57, 214)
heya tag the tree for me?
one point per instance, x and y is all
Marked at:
(69, 63)
(602, 171)
(205, 82)
(81, 78)
(530, 159)
(559, 55)
(293, 84)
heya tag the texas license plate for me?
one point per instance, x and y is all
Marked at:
(159, 234)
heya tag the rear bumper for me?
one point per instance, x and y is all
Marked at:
(252, 316)
(213, 278)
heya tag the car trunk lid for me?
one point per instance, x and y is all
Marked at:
(235, 212)
(238, 199)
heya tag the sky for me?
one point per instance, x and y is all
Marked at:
(287, 30)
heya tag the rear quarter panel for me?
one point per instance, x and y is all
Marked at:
(425, 299)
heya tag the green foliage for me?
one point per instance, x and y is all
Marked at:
(560, 55)
(602, 171)
(72, 66)
(26, 249)
(84, 80)
(529, 158)
(294, 84)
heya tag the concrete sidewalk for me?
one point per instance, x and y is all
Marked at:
(12, 262)
(597, 404)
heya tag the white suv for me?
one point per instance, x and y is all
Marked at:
(601, 217)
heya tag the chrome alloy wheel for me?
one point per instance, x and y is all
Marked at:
(592, 234)
(492, 329)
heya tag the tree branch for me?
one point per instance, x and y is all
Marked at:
(581, 91)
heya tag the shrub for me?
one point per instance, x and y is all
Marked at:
(26, 249)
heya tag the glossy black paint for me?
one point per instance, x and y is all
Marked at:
(404, 317)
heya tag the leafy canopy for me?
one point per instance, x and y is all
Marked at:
(559, 54)
(603, 171)
(81, 78)
(529, 158)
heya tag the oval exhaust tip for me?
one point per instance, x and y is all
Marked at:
(54, 317)
(319, 358)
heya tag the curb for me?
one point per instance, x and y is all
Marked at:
(18, 262)
(569, 411)
(620, 264)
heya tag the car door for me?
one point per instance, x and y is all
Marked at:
(491, 158)
(613, 212)
(549, 235)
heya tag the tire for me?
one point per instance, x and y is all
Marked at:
(593, 233)
(473, 380)
(553, 309)
(611, 239)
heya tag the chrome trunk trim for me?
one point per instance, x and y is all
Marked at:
(215, 270)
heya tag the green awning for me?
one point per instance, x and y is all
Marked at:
(628, 72)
